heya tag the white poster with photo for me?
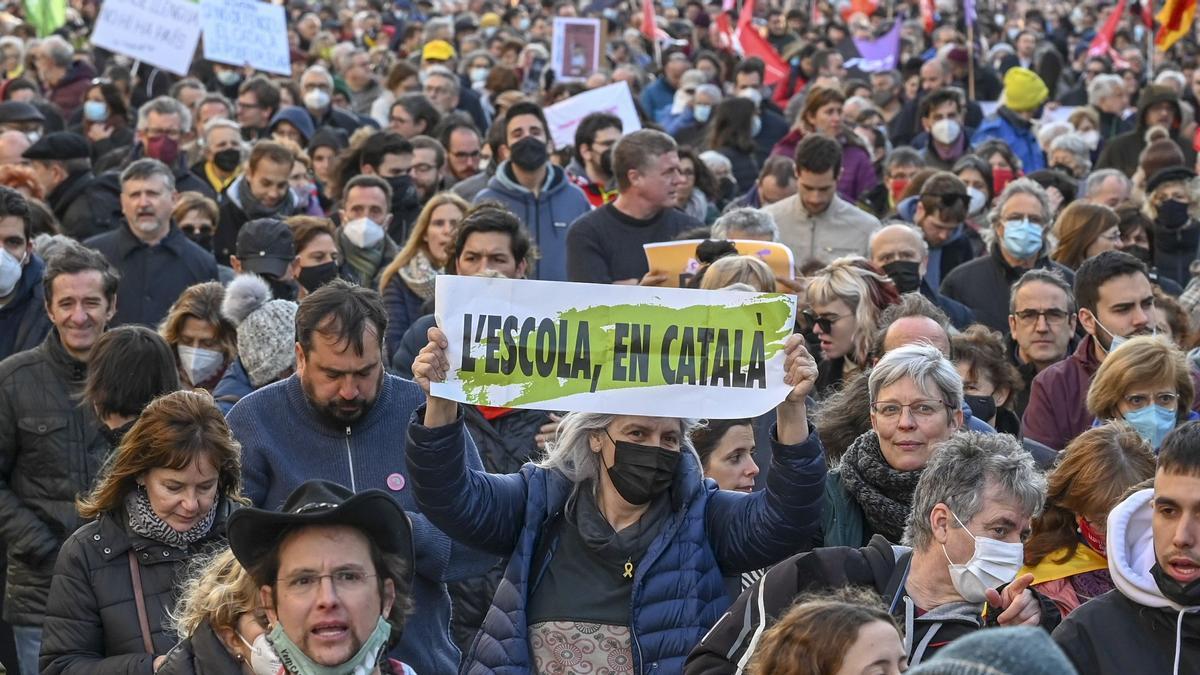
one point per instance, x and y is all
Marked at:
(575, 48)
(241, 32)
(615, 98)
(162, 33)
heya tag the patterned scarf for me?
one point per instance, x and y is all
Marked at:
(884, 493)
(145, 522)
(419, 275)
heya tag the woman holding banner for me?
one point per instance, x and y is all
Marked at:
(617, 548)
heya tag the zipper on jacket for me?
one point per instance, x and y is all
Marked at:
(350, 462)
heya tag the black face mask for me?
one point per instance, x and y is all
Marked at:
(982, 407)
(404, 195)
(641, 472)
(529, 153)
(312, 278)
(1064, 168)
(203, 240)
(228, 160)
(1184, 596)
(906, 274)
(606, 162)
(1172, 215)
(282, 290)
(1141, 253)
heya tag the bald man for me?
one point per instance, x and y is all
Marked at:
(901, 252)
(12, 145)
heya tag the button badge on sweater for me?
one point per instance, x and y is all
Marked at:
(395, 482)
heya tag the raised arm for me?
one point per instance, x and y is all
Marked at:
(472, 506)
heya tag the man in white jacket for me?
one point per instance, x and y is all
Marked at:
(1149, 624)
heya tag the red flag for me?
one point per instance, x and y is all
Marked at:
(927, 11)
(1103, 40)
(648, 24)
(754, 44)
(866, 7)
(746, 15)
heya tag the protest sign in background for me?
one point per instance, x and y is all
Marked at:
(575, 48)
(162, 33)
(240, 32)
(615, 98)
(624, 350)
(677, 259)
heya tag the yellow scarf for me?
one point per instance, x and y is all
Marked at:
(1085, 560)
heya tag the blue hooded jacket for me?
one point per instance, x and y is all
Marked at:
(546, 215)
(678, 587)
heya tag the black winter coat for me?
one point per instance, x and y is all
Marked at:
(983, 285)
(50, 451)
(86, 204)
(201, 654)
(1113, 635)
(91, 624)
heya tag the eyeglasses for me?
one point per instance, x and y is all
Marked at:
(344, 581)
(174, 134)
(923, 410)
(1030, 317)
(825, 322)
(191, 230)
(1165, 399)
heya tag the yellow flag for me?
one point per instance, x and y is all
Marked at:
(1175, 18)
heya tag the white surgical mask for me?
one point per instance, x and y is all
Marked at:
(263, 660)
(200, 364)
(10, 271)
(316, 99)
(755, 126)
(33, 136)
(363, 233)
(1091, 137)
(945, 131)
(978, 200)
(993, 564)
(752, 94)
(479, 74)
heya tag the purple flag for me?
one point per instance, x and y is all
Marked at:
(969, 11)
(879, 54)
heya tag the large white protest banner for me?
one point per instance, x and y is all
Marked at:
(615, 98)
(241, 32)
(162, 33)
(622, 350)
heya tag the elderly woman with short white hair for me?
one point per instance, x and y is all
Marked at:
(617, 545)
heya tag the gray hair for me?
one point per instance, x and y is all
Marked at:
(1103, 86)
(693, 78)
(13, 41)
(1024, 186)
(1096, 179)
(214, 97)
(1045, 276)
(58, 50)
(960, 471)
(319, 70)
(464, 66)
(219, 123)
(1074, 144)
(1174, 75)
(164, 105)
(1050, 132)
(443, 71)
(571, 453)
(146, 168)
(711, 91)
(926, 366)
(750, 221)
(715, 160)
(436, 24)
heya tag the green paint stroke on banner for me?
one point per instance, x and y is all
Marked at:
(612, 347)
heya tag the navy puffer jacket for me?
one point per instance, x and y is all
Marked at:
(678, 587)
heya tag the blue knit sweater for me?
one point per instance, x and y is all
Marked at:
(284, 444)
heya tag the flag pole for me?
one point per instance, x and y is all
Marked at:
(1149, 54)
(971, 60)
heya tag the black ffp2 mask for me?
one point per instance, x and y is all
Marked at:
(641, 472)
(906, 274)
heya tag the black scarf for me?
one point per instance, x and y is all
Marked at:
(884, 493)
(254, 209)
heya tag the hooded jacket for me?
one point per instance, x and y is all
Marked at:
(233, 215)
(1135, 628)
(23, 320)
(1016, 133)
(546, 215)
(1122, 152)
(962, 246)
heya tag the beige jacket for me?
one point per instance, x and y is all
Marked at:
(843, 229)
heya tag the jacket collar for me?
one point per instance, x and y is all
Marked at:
(1086, 356)
(114, 538)
(127, 241)
(70, 368)
(66, 192)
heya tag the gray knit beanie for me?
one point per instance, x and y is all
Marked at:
(1020, 650)
(266, 328)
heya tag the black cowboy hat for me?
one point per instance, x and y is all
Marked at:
(254, 533)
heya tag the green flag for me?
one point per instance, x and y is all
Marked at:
(46, 16)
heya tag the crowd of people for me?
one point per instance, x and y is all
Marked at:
(219, 447)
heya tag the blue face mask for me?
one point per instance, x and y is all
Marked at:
(95, 111)
(1022, 239)
(1152, 423)
(701, 112)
